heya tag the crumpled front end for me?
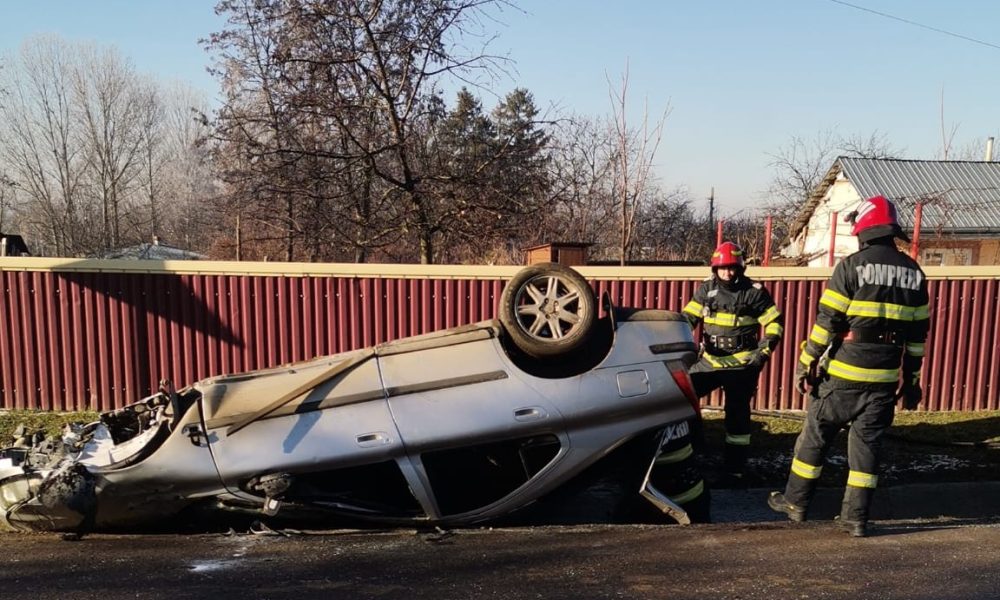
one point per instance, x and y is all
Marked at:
(59, 499)
(43, 484)
(53, 484)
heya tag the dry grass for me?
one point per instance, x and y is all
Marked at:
(49, 422)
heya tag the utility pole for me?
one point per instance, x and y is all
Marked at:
(711, 206)
(711, 211)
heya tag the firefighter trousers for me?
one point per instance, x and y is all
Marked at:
(867, 413)
(739, 386)
(677, 473)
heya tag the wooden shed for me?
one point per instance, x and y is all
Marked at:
(571, 254)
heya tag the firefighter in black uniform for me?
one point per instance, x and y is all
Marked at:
(864, 352)
(732, 308)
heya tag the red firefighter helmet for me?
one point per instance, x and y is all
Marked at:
(876, 217)
(728, 254)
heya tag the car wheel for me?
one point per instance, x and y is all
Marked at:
(548, 310)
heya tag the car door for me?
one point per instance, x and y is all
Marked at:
(334, 443)
(474, 430)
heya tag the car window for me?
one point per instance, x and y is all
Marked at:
(378, 487)
(476, 475)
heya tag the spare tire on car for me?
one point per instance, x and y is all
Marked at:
(548, 310)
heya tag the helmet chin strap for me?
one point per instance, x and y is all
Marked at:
(727, 284)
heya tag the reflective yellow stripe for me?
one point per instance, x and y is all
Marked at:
(806, 470)
(881, 310)
(729, 320)
(921, 312)
(721, 319)
(915, 378)
(722, 362)
(693, 308)
(691, 494)
(914, 349)
(676, 456)
(774, 329)
(852, 373)
(820, 335)
(806, 358)
(729, 361)
(738, 440)
(769, 315)
(861, 480)
(837, 302)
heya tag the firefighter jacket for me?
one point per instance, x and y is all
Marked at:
(731, 317)
(872, 319)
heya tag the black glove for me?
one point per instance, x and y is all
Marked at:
(910, 392)
(759, 358)
(803, 379)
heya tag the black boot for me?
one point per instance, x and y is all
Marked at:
(854, 510)
(856, 529)
(778, 503)
(735, 458)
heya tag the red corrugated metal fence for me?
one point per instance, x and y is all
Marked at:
(75, 338)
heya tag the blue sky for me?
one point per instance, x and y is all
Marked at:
(741, 76)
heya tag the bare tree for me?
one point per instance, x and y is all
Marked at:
(671, 228)
(582, 170)
(176, 180)
(348, 92)
(116, 109)
(6, 198)
(947, 132)
(84, 146)
(874, 145)
(151, 161)
(748, 229)
(42, 149)
(636, 150)
(800, 166)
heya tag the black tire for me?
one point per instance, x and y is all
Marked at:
(548, 310)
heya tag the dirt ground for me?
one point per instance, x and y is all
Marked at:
(913, 561)
(918, 448)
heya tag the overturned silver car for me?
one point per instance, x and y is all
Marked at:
(454, 427)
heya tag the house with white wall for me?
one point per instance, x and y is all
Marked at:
(959, 208)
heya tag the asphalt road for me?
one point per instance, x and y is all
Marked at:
(926, 559)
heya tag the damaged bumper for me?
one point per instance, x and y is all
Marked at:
(61, 499)
(69, 483)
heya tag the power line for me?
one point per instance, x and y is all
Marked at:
(914, 23)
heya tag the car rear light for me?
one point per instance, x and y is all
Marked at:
(679, 372)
